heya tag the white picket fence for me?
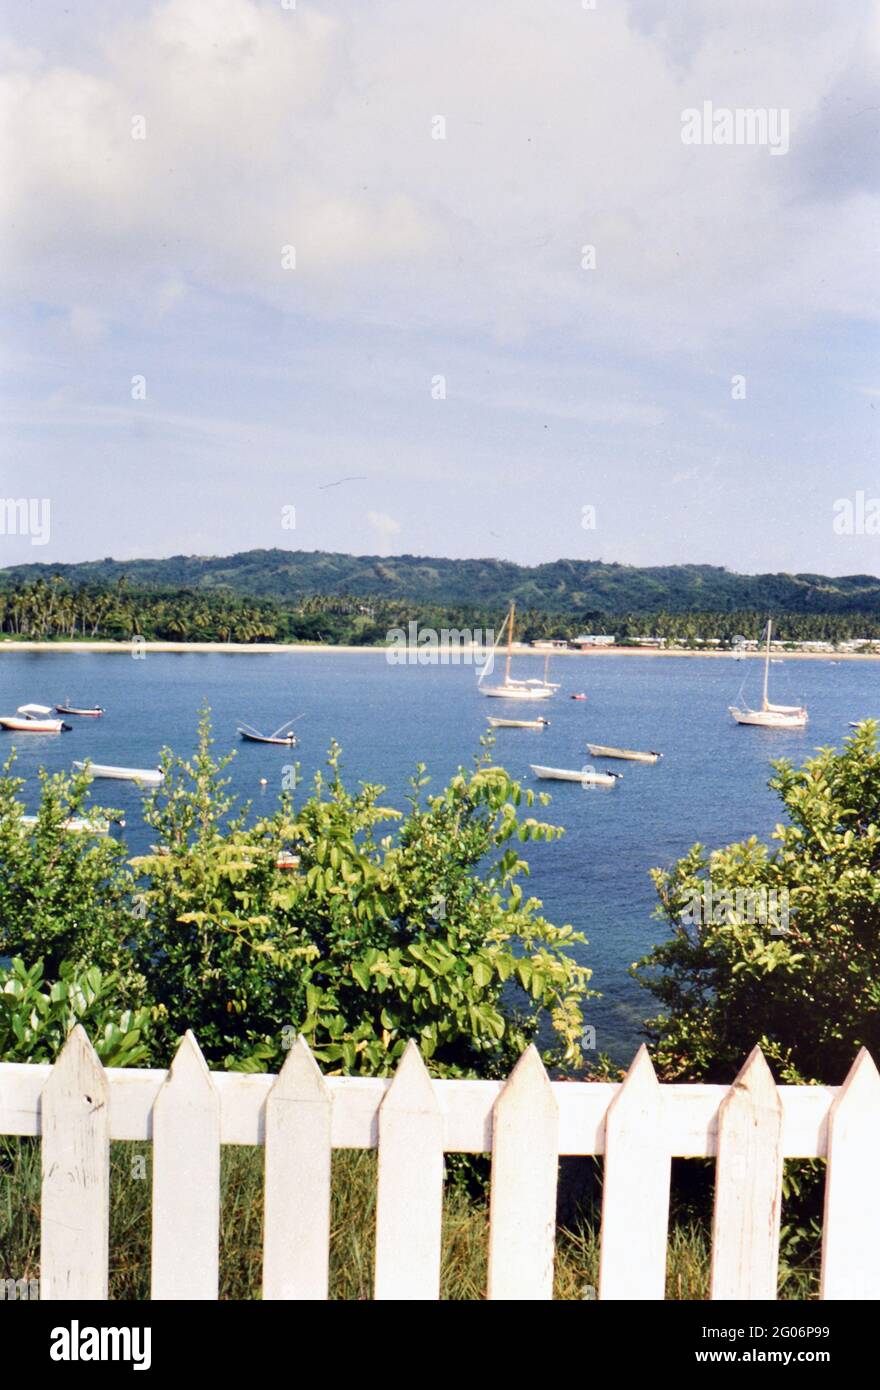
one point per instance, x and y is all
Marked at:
(526, 1123)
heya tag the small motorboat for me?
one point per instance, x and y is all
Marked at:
(599, 750)
(143, 776)
(32, 719)
(283, 735)
(518, 723)
(94, 713)
(580, 696)
(585, 775)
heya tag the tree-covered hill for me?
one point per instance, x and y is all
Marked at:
(563, 586)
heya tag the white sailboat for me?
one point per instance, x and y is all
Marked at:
(511, 689)
(771, 716)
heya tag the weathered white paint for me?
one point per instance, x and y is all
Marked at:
(75, 1203)
(748, 1187)
(522, 1201)
(409, 1199)
(851, 1228)
(186, 1180)
(635, 1189)
(296, 1224)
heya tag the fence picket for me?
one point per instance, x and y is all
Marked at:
(75, 1205)
(296, 1226)
(186, 1180)
(525, 1167)
(748, 1186)
(851, 1228)
(409, 1205)
(635, 1189)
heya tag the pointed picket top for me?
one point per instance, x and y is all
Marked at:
(525, 1167)
(409, 1198)
(851, 1226)
(411, 1090)
(75, 1204)
(300, 1078)
(186, 1179)
(528, 1079)
(78, 1060)
(635, 1191)
(296, 1228)
(755, 1081)
(748, 1186)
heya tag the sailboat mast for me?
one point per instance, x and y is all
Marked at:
(510, 618)
(767, 664)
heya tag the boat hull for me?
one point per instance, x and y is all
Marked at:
(289, 742)
(81, 713)
(143, 776)
(33, 726)
(598, 750)
(584, 776)
(512, 692)
(769, 719)
(518, 723)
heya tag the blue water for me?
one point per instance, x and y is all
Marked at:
(710, 786)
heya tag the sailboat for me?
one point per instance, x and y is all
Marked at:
(771, 716)
(511, 689)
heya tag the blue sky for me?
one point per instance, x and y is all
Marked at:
(460, 258)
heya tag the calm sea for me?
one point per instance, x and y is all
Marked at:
(710, 786)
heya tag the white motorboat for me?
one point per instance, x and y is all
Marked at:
(771, 716)
(143, 776)
(511, 689)
(34, 719)
(518, 723)
(599, 750)
(585, 775)
(78, 825)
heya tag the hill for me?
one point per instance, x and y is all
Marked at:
(563, 586)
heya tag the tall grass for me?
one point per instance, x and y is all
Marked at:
(465, 1232)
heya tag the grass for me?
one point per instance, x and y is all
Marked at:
(465, 1232)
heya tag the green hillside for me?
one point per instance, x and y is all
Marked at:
(563, 586)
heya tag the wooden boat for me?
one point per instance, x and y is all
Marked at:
(511, 689)
(599, 750)
(771, 716)
(94, 713)
(143, 776)
(584, 775)
(518, 723)
(283, 735)
(32, 719)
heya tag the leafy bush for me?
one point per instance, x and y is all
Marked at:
(36, 1016)
(368, 941)
(810, 992)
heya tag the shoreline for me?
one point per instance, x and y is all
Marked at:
(464, 652)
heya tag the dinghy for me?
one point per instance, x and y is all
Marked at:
(143, 776)
(94, 713)
(518, 723)
(771, 716)
(31, 719)
(283, 734)
(585, 775)
(599, 750)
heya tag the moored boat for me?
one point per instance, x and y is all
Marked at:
(518, 723)
(770, 716)
(283, 735)
(143, 776)
(599, 750)
(33, 719)
(511, 689)
(78, 825)
(94, 712)
(585, 775)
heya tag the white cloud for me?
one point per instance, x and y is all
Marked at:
(385, 528)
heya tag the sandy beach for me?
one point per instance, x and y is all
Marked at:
(291, 648)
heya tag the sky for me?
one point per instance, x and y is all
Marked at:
(312, 275)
